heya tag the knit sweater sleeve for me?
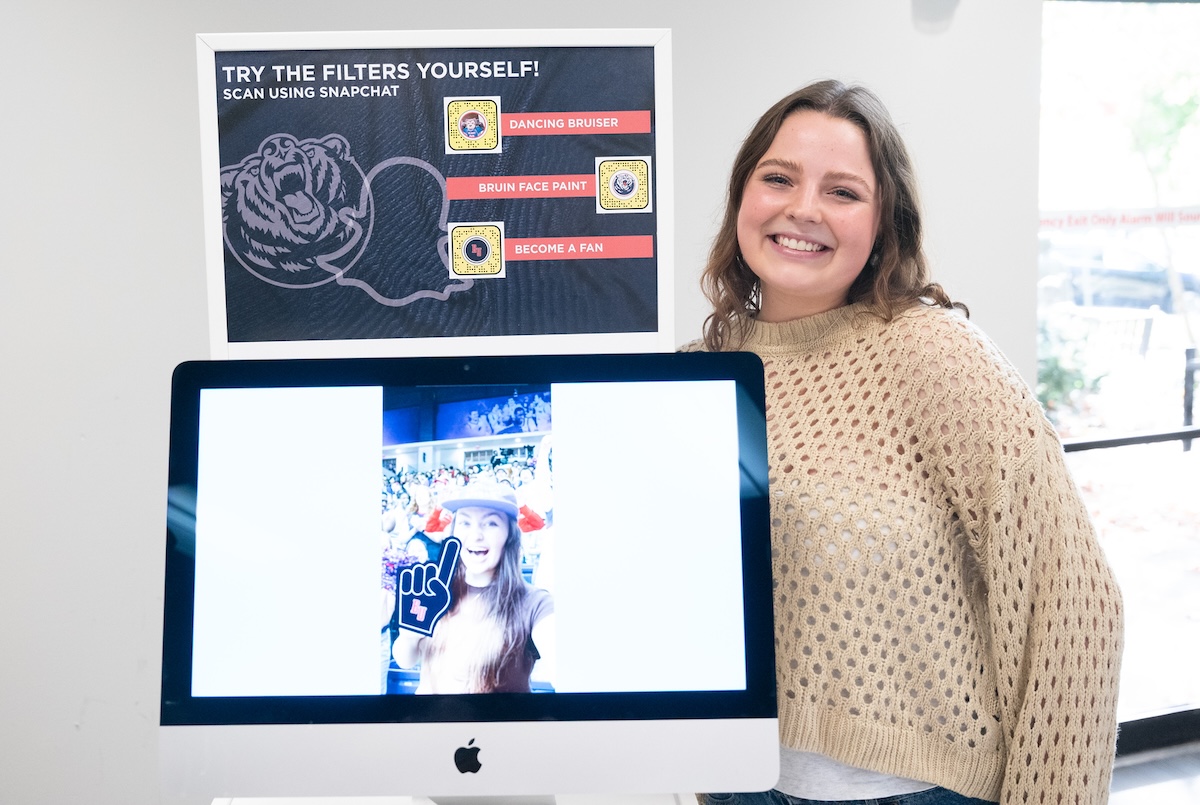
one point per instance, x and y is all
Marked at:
(1047, 602)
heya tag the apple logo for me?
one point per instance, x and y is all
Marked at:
(466, 758)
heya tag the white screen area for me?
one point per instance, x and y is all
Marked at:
(647, 541)
(287, 542)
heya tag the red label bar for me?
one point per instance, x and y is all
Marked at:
(564, 186)
(615, 246)
(634, 122)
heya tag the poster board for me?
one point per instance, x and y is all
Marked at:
(437, 193)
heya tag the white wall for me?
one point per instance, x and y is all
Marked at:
(103, 284)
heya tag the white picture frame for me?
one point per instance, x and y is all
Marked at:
(326, 240)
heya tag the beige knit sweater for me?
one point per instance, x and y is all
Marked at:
(943, 611)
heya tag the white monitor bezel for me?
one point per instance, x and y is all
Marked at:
(250, 746)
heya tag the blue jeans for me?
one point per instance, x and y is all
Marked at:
(934, 796)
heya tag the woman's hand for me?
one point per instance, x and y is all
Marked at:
(406, 651)
(543, 636)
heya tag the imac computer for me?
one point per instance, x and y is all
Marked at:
(468, 577)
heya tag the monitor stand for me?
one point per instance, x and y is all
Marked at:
(561, 799)
(564, 799)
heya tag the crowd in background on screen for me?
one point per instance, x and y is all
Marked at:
(414, 524)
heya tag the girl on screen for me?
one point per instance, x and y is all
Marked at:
(498, 626)
(947, 628)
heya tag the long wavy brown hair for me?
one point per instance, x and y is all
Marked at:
(896, 275)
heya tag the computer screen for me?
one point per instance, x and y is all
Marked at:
(468, 576)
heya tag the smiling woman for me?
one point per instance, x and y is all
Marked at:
(809, 216)
(947, 629)
(828, 123)
(484, 532)
(498, 626)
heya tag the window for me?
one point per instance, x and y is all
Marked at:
(1118, 312)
